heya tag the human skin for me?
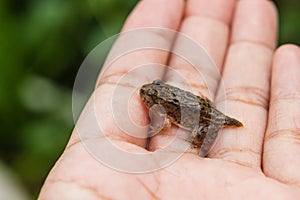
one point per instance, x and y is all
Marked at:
(259, 161)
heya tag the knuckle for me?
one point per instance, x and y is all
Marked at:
(290, 135)
(286, 96)
(249, 95)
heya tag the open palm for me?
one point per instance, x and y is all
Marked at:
(259, 161)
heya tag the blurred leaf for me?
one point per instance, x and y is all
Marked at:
(43, 96)
(289, 28)
(44, 140)
(111, 14)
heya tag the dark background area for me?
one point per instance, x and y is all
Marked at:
(42, 45)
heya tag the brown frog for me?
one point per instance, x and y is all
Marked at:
(196, 114)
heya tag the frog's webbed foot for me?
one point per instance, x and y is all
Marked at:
(197, 136)
(209, 140)
(159, 120)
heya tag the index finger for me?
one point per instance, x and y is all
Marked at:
(164, 14)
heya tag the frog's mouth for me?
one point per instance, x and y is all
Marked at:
(145, 98)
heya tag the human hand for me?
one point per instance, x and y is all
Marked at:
(258, 161)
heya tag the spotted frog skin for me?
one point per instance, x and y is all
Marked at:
(196, 114)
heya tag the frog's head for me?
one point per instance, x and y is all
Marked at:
(149, 92)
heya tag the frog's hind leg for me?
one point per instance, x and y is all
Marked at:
(197, 136)
(209, 140)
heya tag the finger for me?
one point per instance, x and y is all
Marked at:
(282, 141)
(246, 77)
(164, 17)
(207, 24)
(164, 14)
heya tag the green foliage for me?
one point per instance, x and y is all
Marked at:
(289, 15)
(42, 45)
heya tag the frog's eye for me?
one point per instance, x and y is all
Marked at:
(157, 82)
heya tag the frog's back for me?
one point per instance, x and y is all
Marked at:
(186, 109)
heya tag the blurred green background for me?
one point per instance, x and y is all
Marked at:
(42, 45)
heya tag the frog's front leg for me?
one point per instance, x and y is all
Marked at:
(159, 120)
(209, 140)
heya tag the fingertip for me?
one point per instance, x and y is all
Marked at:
(216, 9)
(286, 58)
(155, 13)
(286, 69)
(285, 51)
(256, 21)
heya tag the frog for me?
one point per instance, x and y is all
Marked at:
(194, 113)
